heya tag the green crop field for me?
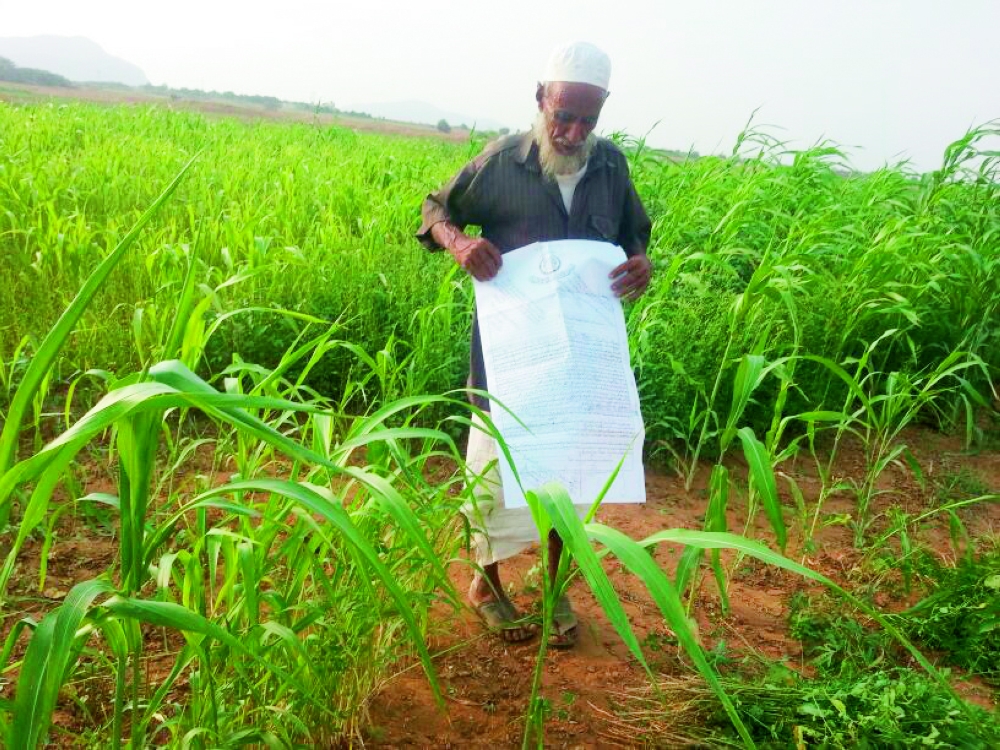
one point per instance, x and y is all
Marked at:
(230, 382)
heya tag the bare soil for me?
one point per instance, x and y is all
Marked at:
(486, 682)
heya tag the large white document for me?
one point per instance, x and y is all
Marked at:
(556, 355)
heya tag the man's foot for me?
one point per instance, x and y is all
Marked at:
(501, 617)
(565, 627)
(496, 611)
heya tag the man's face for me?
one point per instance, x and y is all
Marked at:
(571, 111)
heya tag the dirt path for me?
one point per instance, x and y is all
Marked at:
(486, 682)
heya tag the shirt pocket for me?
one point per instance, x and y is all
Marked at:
(603, 227)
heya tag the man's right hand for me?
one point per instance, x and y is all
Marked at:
(478, 256)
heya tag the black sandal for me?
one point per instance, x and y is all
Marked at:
(501, 617)
(565, 627)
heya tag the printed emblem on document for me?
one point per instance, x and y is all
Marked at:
(549, 263)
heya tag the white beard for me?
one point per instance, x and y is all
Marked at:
(551, 161)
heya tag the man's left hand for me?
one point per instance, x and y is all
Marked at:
(631, 277)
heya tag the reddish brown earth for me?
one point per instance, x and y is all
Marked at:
(486, 682)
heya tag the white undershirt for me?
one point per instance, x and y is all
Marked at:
(567, 186)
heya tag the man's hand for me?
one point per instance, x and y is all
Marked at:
(477, 256)
(631, 277)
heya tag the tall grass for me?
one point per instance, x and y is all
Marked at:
(297, 584)
(755, 254)
(315, 220)
(274, 321)
(780, 255)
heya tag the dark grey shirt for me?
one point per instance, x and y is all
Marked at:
(504, 192)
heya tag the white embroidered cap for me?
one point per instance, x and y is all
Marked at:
(579, 62)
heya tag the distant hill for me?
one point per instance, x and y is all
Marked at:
(420, 112)
(74, 57)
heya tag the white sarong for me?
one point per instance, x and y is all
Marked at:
(498, 532)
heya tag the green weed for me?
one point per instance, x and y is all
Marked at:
(881, 708)
(960, 617)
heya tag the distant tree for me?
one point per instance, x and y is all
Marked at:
(443, 126)
(503, 131)
(10, 72)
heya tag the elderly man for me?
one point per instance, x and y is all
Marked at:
(556, 182)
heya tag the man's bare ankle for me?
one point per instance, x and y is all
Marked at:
(482, 591)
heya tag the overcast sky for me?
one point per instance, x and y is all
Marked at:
(891, 79)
